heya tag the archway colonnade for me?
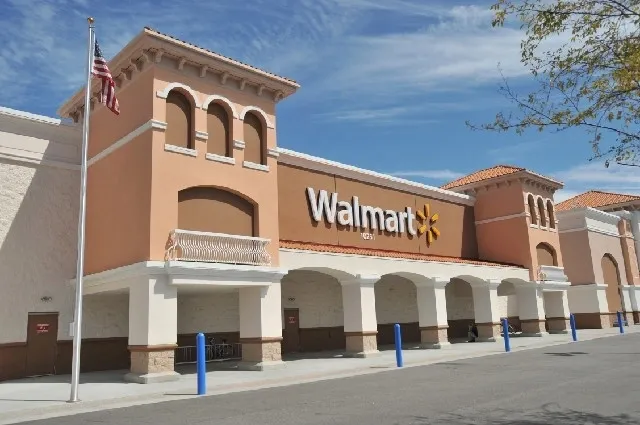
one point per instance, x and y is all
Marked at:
(357, 312)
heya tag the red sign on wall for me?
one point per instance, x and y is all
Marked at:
(42, 328)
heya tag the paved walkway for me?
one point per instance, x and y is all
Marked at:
(38, 398)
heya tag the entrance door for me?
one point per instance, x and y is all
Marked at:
(42, 341)
(291, 334)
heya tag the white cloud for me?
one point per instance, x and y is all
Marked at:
(446, 175)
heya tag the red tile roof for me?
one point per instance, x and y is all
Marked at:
(490, 173)
(309, 246)
(487, 173)
(595, 199)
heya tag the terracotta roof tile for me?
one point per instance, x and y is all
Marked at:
(487, 173)
(218, 54)
(595, 199)
(307, 246)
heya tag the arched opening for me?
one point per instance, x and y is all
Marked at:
(179, 120)
(532, 209)
(460, 309)
(254, 139)
(552, 214)
(209, 209)
(313, 318)
(546, 255)
(396, 302)
(611, 277)
(508, 304)
(543, 216)
(219, 127)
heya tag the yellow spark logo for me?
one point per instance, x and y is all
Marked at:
(428, 224)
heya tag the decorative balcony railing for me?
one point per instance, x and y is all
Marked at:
(552, 273)
(187, 245)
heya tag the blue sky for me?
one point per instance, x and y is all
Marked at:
(386, 84)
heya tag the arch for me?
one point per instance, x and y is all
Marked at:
(543, 216)
(546, 255)
(552, 214)
(171, 86)
(214, 210)
(396, 301)
(219, 130)
(460, 306)
(179, 117)
(217, 98)
(531, 202)
(339, 275)
(316, 294)
(506, 288)
(611, 277)
(260, 112)
(255, 139)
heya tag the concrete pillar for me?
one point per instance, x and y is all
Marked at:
(261, 327)
(153, 330)
(531, 309)
(485, 305)
(432, 312)
(556, 307)
(360, 322)
(588, 303)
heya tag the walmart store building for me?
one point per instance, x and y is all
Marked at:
(198, 222)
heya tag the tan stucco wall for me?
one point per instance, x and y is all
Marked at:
(455, 221)
(578, 264)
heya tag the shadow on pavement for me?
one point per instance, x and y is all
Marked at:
(569, 354)
(549, 414)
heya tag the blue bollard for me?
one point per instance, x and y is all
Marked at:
(572, 321)
(507, 338)
(620, 322)
(398, 335)
(201, 365)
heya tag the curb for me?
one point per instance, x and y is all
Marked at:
(23, 415)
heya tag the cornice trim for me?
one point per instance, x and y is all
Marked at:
(151, 124)
(309, 162)
(501, 218)
(590, 213)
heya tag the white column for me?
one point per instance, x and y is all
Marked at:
(485, 305)
(153, 330)
(360, 322)
(432, 312)
(531, 309)
(261, 326)
(556, 306)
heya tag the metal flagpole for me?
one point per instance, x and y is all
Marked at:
(77, 323)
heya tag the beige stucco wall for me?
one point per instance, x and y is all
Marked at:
(605, 244)
(396, 300)
(209, 312)
(317, 295)
(38, 236)
(39, 204)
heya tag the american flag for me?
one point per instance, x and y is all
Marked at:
(108, 92)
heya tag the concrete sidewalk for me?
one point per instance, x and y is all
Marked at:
(38, 398)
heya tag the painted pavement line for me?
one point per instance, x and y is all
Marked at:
(68, 409)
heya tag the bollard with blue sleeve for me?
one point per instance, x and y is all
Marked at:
(620, 322)
(398, 335)
(505, 331)
(201, 365)
(572, 321)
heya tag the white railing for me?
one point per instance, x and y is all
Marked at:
(552, 273)
(187, 245)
